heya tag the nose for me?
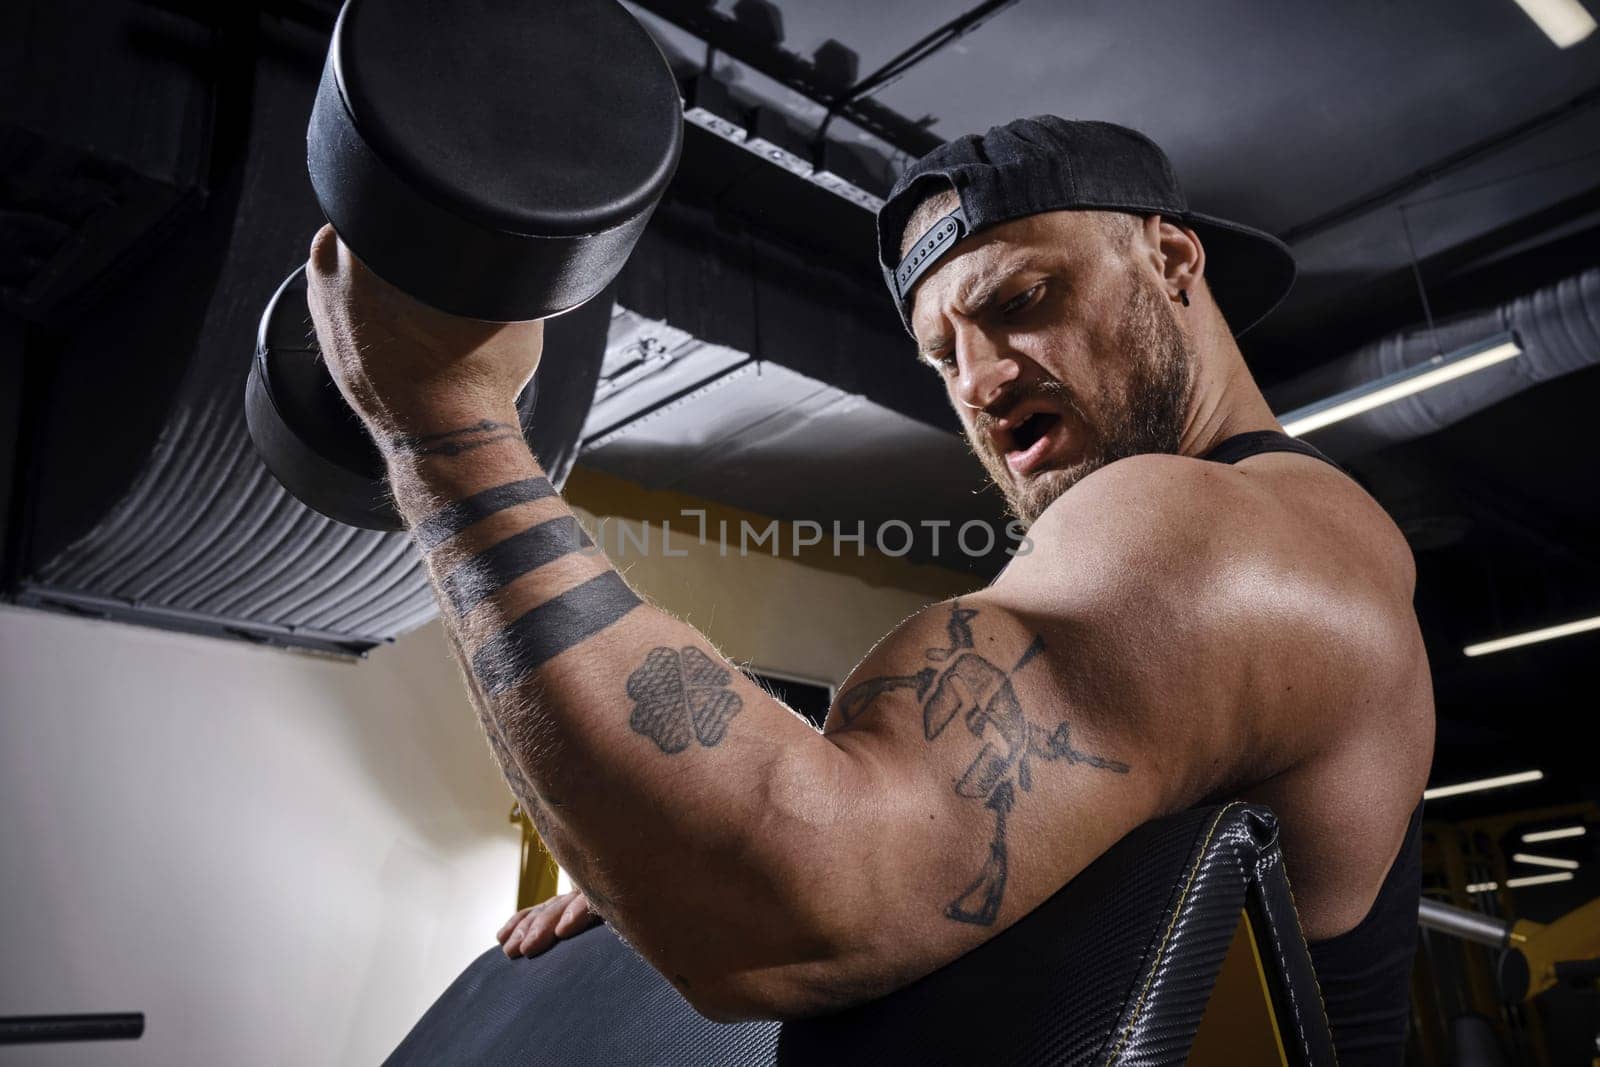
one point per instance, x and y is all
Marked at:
(985, 370)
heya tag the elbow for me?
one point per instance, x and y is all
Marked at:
(731, 1000)
(782, 965)
(797, 953)
(782, 997)
(807, 970)
(803, 976)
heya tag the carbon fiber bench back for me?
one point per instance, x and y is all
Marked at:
(1116, 968)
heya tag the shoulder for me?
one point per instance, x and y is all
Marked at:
(1152, 523)
(1213, 534)
(1153, 559)
(1262, 601)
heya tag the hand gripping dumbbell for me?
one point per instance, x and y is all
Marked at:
(493, 159)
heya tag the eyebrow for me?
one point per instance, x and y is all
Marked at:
(978, 294)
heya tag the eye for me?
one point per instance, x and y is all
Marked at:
(944, 362)
(1022, 300)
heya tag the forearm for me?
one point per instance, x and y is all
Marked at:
(678, 793)
(736, 847)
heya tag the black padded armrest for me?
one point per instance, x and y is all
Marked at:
(1115, 968)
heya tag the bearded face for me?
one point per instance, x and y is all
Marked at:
(1141, 410)
(1060, 349)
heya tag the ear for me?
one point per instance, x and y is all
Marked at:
(1181, 257)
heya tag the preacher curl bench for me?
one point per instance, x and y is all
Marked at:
(1179, 945)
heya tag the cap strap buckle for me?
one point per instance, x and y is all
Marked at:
(928, 250)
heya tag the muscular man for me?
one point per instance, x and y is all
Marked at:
(1209, 611)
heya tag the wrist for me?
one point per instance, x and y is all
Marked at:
(428, 470)
(427, 408)
(443, 429)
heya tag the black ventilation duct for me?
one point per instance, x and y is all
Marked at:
(143, 499)
(1557, 328)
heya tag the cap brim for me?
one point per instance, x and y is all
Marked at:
(1249, 271)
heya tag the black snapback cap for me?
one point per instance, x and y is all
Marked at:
(1047, 163)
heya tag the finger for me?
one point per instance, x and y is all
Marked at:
(511, 924)
(324, 257)
(524, 921)
(574, 917)
(537, 924)
(541, 933)
(513, 942)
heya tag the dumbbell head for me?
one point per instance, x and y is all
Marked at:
(309, 438)
(494, 160)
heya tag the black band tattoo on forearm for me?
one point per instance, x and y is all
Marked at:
(453, 518)
(455, 442)
(983, 694)
(502, 563)
(675, 692)
(550, 629)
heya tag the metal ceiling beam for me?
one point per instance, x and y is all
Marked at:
(764, 53)
(1455, 161)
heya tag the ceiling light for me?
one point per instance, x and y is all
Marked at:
(1553, 835)
(1549, 633)
(1483, 887)
(1565, 22)
(1481, 784)
(1545, 861)
(1402, 383)
(1538, 879)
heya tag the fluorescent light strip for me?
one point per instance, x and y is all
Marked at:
(1532, 637)
(1483, 887)
(1538, 879)
(1400, 384)
(1545, 861)
(1553, 835)
(1482, 784)
(1565, 22)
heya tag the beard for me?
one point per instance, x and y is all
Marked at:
(1143, 412)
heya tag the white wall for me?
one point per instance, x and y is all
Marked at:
(765, 611)
(282, 859)
(279, 859)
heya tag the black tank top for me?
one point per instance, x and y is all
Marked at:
(1365, 974)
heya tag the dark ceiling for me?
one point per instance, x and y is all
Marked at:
(1319, 122)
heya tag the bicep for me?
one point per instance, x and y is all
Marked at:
(986, 785)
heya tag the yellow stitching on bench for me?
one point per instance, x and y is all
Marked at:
(1321, 1001)
(1167, 936)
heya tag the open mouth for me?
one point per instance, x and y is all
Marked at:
(1031, 440)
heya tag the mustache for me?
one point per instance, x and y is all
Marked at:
(1045, 388)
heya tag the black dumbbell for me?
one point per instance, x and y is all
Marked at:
(496, 160)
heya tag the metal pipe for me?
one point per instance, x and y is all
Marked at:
(1459, 922)
(36, 1029)
(1558, 328)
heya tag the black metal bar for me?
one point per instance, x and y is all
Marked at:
(925, 47)
(41, 1029)
(1365, 203)
(732, 38)
(1578, 970)
(31, 594)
